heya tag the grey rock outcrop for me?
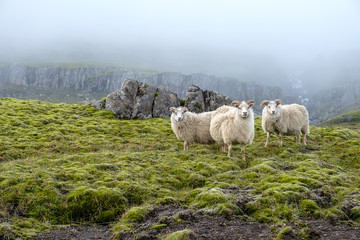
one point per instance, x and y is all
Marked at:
(98, 104)
(140, 100)
(122, 102)
(144, 101)
(194, 99)
(163, 101)
(198, 101)
(214, 100)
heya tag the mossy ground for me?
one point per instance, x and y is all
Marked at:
(72, 164)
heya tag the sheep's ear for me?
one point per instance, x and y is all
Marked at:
(173, 109)
(265, 102)
(250, 103)
(185, 109)
(278, 102)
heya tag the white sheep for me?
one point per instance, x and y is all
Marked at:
(191, 127)
(282, 119)
(236, 125)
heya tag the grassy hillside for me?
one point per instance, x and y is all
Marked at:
(54, 95)
(71, 164)
(350, 120)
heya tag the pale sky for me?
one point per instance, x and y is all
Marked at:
(285, 29)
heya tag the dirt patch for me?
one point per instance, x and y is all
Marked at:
(76, 233)
(323, 230)
(204, 227)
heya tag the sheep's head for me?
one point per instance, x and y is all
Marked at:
(272, 106)
(178, 113)
(243, 107)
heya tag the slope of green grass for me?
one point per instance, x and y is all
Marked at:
(72, 164)
(350, 120)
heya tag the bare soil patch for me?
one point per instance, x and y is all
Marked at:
(204, 226)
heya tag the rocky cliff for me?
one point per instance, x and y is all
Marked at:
(338, 99)
(104, 79)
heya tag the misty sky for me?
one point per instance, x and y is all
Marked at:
(284, 29)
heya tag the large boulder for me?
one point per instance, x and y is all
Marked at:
(198, 101)
(122, 102)
(144, 101)
(213, 100)
(98, 104)
(140, 100)
(164, 99)
(194, 101)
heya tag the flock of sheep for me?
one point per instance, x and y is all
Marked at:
(235, 124)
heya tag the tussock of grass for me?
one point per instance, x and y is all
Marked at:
(70, 164)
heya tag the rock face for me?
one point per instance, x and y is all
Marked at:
(198, 101)
(122, 102)
(105, 80)
(334, 101)
(144, 101)
(140, 100)
(163, 101)
(99, 104)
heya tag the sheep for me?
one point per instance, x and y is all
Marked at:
(191, 127)
(284, 120)
(234, 126)
(224, 109)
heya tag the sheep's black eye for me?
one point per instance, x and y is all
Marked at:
(268, 106)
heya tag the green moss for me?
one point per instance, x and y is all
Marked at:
(308, 207)
(87, 203)
(64, 163)
(209, 198)
(180, 235)
(106, 216)
(7, 231)
(182, 102)
(136, 214)
(227, 209)
(103, 99)
(285, 233)
(334, 214)
(355, 214)
(159, 226)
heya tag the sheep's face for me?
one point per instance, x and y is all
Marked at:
(243, 107)
(272, 107)
(178, 113)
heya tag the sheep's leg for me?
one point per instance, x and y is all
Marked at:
(186, 145)
(304, 138)
(298, 138)
(243, 152)
(267, 139)
(222, 147)
(281, 142)
(229, 149)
